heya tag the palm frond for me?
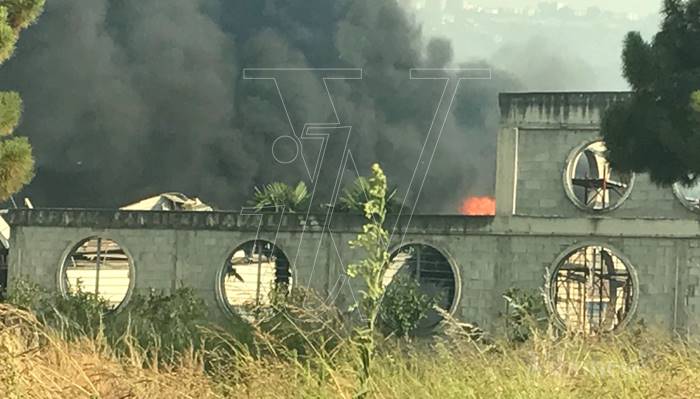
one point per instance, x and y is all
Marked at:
(278, 197)
(356, 195)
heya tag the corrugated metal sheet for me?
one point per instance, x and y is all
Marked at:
(169, 202)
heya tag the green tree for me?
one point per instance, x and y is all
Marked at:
(374, 240)
(657, 130)
(16, 160)
(355, 196)
(281, 196)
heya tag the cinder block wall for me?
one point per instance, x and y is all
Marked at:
(542, 156)
(165, 258)
(489, 255)
(546, 128)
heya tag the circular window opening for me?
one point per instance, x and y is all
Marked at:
(255, 274)
(100, 266)
(689, 195)
(592, 290)
(591, 183)
(422, 270)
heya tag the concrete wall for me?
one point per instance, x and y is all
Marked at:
(539, 133)
(542, 159)
(490, 255)
(166, 256)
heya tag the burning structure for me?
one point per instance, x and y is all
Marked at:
(168, 202)
(613, 249)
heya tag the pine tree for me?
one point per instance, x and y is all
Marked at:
(16, 160)
(658, 129)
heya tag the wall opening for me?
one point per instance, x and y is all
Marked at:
(432, 271)
(100, 266)
(688, 195)
(255, 271)
(591, 183)
(592, 290)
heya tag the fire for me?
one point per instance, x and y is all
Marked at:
(478, 206)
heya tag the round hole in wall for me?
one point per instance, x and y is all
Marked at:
(592, 290)
(427, 272)
(688, 195)
(100, 266)
(255, 274)
(591, 183)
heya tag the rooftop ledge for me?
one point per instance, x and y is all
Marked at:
(590, 227)
(556, 108)
(228, 220)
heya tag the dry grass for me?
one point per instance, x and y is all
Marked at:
(621, 368)
(35, 363)
(567, 369)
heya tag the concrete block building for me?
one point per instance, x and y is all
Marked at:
(607, 249)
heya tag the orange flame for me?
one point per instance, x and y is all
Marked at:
(478, 206)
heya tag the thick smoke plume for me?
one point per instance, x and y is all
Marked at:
(130, 98)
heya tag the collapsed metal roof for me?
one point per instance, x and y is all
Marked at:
(169, 202)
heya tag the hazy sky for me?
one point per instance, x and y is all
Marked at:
(546, 51)
(641, 7)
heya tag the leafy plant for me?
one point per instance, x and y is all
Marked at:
(525, 314)
(355, 196)
(374, 240)
(404, 306)
(163, 324)
(25, 295)
(77, 313)
(279, 196)
(156, 327)
(302, 323)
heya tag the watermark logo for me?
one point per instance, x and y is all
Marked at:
(335, 159)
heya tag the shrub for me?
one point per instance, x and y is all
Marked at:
(75, 314)
(525, 314)
(25, 295)
(162, 325)
(404, 306)
(302, 324)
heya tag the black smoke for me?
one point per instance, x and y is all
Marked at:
(129, 98)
